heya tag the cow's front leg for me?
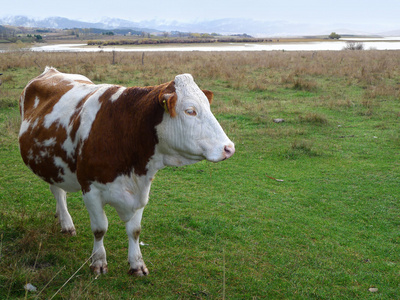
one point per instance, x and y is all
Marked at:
(99, 225)
(137, 266)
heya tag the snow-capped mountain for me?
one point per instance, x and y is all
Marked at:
(222, 26)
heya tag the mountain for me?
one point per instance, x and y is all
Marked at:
(53, 22)
(258, 28)
(221, 26)
(65, 23)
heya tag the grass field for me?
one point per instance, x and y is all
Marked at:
(328, 230)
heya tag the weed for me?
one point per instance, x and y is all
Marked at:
(304, 85)
(299, 148)
(341, 104)
(314, 118)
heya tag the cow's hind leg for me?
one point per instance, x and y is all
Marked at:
(137, 266)
(67, 226)
(99, 225)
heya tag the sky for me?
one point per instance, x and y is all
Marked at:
(381, 13)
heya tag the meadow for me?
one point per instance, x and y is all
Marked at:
(328, 228)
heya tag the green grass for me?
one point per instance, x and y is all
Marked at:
(329, 230)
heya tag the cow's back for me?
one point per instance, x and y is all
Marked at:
(44, 91)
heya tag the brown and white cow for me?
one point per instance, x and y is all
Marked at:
(109, 141)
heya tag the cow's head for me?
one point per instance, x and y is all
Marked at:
(189, 131)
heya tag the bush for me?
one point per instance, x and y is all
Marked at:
(354, 46)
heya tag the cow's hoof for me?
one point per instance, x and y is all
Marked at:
(99, 269)
(70, 231)
(142, 271)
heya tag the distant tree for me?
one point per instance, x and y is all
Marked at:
(334, 35)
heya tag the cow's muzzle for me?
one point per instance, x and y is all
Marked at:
(229, 150)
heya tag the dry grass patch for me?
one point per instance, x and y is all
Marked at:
(314, 118)
(340, 104)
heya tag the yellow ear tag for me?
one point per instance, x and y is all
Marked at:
(165, 106)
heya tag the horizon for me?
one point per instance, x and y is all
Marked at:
(367, 15)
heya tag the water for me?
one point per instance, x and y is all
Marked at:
(391, 43)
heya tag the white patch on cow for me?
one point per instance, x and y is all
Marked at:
(69, 147)
(87, 115)
(38, 158)
(75, 77)
(35, 123)
(30, 156)
(44, 153)
(90, 110)
(49, 142)
(36, 102)
(66, 76)
(117, 94)
(24, 127)
(37, 143)
(69, 180)
(21, 103)
(126, 194)
(65, 107)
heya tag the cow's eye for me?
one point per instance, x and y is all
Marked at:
(191, 112)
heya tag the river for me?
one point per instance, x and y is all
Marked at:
(390, 43)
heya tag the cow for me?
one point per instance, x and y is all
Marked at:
(108, 141)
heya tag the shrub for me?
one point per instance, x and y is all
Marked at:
(354, 46)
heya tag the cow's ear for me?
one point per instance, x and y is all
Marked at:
(209, 95)
(168, 102)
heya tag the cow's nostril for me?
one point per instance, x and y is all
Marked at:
(229, 151)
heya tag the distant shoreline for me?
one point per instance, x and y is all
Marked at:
(279, 45)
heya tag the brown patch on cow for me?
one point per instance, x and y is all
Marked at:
(167, 98)
(38, 157)
(71, 232)
(99, 270)
(75, 120)
(123, 135)
(136, 234)
(98, 234)
(142, 271)
(209, 95)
